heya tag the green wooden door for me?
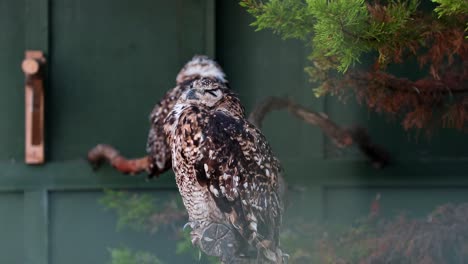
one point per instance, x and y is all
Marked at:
(108, 63)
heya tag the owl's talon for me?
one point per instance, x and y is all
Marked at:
(185, 226)
(195, 240)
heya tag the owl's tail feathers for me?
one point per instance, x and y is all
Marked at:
(102, 153)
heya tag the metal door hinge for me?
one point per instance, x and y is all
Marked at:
(34, 69)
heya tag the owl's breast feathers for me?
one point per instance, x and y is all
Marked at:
(231, 161)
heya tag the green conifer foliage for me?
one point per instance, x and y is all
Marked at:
(340, 32)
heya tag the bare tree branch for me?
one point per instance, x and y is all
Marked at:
(105, 153)
(341, 137)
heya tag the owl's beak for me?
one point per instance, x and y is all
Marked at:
(192, 95)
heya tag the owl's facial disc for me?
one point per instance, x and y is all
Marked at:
(192, 95)
(204, 96)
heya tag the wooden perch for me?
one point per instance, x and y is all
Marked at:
(102, 152)
(341, 137)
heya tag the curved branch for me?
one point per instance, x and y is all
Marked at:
(341, 137)
(106, 153)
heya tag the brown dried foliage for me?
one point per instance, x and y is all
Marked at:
(441, 238)
(425, 103)
(437, 100)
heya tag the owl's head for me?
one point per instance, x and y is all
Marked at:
(204, 92)
(210, 94)
(201, 66)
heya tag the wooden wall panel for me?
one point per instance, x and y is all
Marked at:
(12, 44)
(82, 230)
(11, 227)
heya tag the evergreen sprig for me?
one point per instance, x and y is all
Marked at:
(448, 8)
(288, 18)
(341, 30)
(451, 7)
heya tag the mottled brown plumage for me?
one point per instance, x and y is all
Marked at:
(158, 151)
(227, 175)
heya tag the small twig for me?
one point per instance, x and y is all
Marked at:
(341, 137)
(102, 152)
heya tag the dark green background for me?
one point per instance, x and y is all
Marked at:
(110, 61)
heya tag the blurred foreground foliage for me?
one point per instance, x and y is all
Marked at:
(441, 237)
(126, 256)
(145, 213)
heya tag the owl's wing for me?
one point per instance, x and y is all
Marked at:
(157, 148)
(239, 169)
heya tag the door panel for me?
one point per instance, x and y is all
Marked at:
(110, 62)
(12, 40)
(11, 227)
(82, 230)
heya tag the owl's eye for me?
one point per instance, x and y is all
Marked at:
(212, 92)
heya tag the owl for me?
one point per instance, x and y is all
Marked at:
(159, 153)
(227, 175)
